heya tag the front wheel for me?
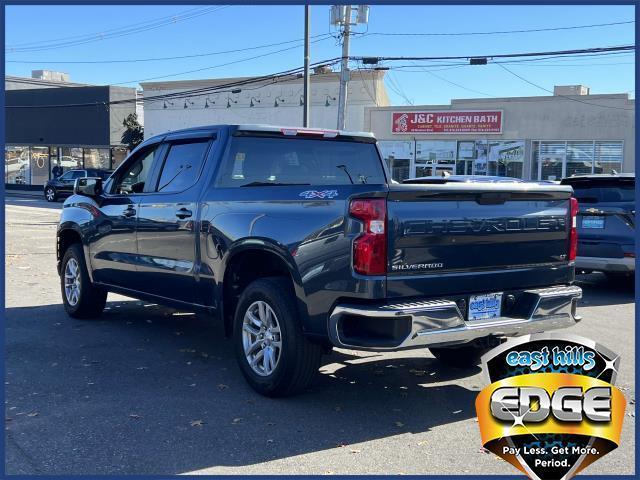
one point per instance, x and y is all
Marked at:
(274, 356)
(81, 298)
(50, 194)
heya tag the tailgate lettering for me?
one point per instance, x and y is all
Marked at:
(550, 223)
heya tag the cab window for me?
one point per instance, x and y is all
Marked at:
(182, 166)
(133, 176)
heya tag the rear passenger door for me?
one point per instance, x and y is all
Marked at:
(167, 219)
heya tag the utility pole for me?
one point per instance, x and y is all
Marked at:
(344, 69)
(306, 94)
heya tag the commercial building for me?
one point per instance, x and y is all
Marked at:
(266, 102)
(53, 123)
(538, 138)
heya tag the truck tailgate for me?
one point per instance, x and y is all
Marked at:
(478, 236)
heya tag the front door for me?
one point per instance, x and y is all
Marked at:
(167, 222)
(113, 249)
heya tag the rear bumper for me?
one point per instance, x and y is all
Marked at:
(440, 322)
(606, 264)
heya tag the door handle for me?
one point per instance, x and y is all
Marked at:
(129, 212)
(183, 213)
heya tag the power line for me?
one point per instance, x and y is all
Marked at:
(90, 35)
(505, 55)
(114, 33)
(230, 87)
(562, 96)
(457, 84)
(503, 32)
(215, 66)
(158, 59)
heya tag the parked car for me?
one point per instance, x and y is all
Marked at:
(63, 185)
(606, 223)
(298, 242)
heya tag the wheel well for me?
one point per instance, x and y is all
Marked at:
(66, 238)
(244, 268)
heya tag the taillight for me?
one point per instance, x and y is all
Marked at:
(370, 247)
(573, 232)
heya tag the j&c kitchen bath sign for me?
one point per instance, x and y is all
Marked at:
(447, 121)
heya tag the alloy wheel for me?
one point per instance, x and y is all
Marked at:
(72, 282)
(261, 338)
(50, 194)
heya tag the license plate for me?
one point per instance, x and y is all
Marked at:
(592, 222)
(482, 307)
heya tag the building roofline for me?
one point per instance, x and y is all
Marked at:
(315, 77)
(456, 102)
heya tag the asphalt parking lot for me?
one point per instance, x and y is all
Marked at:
(150, 390)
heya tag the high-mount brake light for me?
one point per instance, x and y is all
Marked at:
(370, 247)
(573, 230)
(306, 131)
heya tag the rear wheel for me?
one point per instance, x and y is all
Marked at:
(462, 356)
(50, 194)
(80, 297)
(274, 356)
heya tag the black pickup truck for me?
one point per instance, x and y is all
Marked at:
(298, 241)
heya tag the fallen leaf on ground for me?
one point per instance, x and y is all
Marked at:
(237, 420)
(196, 423)
(222, 386)
(33, 414)
(399, 424)
(355, 450)
(134, 416)
(455, 412)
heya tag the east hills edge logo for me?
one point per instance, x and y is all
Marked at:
(551, 408)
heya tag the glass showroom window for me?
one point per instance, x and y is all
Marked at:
(555, 160)
(608, 157)
(579, 158)
(118, 154)
(97, 158)
(70, 158)
(433, 157)
(506, 158)
(16, 165)
(399, 157)
(39, 165)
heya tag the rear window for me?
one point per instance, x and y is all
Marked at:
(256, 161)
(612, 193)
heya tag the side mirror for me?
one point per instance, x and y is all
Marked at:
(88, 186)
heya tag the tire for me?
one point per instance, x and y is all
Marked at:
(461, 356)
(295, 363)
(88, 300)
(50, 194)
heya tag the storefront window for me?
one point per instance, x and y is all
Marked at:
(551, 158)
(118, 154)
(579, 158)
(16, 165)
(39, 165)
(70, 157)
(54, 162)
(435, 156)
(608, 157)
(399, 156)
(97, 158)
(506, 159)
(555, 160)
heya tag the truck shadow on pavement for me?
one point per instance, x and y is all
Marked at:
(149, 390)
(598, 290)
